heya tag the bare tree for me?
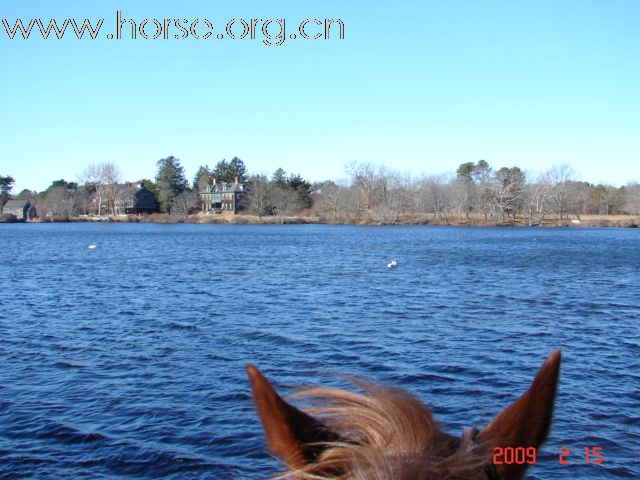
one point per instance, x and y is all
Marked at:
(395, 197)
(284, 200)
(483, 177)
(332, 199)
(111, 177)
(581, 195)
(185, 203)
(632, 199)
(124, 198)
(560, 176)
(363, 177)
(60, 202)
(104, 177)
(433, 197)
(259, 191)
(508, 192)
(91, 178)
(463, 193)
(538, 195)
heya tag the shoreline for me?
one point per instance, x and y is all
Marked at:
(604, 221)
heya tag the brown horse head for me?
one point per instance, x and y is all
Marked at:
(387, 434)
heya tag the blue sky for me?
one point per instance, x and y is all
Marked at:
(419, 86)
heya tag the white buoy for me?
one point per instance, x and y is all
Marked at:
(92, 246)
(392, 264)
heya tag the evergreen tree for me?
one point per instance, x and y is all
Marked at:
(238, 169)
(170, 181)
(480, 169)
(227, 171)
(26, 194)
(149, 185)
(467, 187)
(62, 199)
(62, 183)
(6, 184)
(202, 178)
(465, 170)
(279, 178)
(302, 189)
(221, 171)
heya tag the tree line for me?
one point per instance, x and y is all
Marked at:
(475, 192)
(100, 190)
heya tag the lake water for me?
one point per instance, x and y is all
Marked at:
(129, 360)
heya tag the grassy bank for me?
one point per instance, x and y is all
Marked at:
(612, 221)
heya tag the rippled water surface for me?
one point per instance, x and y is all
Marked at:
(129, 360)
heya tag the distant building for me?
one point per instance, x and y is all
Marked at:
(22, 209)
(136, 201)
(222, 196)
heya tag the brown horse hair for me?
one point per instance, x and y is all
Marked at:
(385, 433)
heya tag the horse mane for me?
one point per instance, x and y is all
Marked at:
(382, 430)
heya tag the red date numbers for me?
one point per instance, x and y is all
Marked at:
(514, 455)
(527, 455)
(592, 455)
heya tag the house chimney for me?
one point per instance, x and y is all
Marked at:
(213, 181)
(235, 179)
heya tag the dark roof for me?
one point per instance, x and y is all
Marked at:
(142, 190)
(15, 204)
(235, 187)
(222, 187)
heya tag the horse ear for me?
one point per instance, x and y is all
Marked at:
(292, 435)
(526, 422)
